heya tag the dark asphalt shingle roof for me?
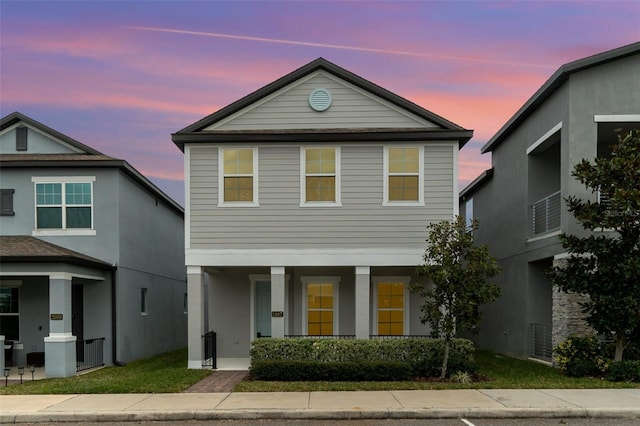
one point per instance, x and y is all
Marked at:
(28, 249)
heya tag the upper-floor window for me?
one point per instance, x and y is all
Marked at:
(238, 177)
(64, 203)
(320, 180)
(403, 176)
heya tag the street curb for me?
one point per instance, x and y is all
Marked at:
(310, 414)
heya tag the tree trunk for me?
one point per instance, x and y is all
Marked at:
(445, 361)
(620, 343)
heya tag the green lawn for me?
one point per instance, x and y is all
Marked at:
(164, 373)
(168, 373)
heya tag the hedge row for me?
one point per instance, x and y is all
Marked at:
(330, 371)
(422, 356)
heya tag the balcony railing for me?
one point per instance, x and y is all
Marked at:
(540, 345)
(89, 354)
(545, 214)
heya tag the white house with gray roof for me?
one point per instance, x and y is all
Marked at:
(307, 203)
(91, 255)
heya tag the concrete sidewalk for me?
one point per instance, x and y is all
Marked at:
(483, 403)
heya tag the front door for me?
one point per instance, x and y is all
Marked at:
(263, 308)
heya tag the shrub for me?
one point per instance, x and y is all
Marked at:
(422, 356)
(624, 371)
(581, 356)
(330, 371)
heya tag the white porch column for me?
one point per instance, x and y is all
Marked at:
(60, 344)
(2, 361)
(363, 301)
(195, 316)
(277, 301)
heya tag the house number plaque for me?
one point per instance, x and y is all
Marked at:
(277, 314)
(56, 317)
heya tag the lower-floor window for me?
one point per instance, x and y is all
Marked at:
(390, 302)
(321, 305)
(10, 313)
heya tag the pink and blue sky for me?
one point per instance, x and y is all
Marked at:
(121, 76)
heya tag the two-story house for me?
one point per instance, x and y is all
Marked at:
(91, 255)
(307, 203)
(578, 113)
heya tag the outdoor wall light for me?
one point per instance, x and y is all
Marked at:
(32, 368)
(6, 376)
(20, 372)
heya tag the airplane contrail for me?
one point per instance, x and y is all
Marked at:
(337, 46)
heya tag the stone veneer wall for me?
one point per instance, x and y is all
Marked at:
(567, 317)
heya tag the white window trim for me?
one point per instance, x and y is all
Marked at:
(336, 303)
(404, 280)
(303, 179)
(221, 201)
(385, 187)
(62, 180)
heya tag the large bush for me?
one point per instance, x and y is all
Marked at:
(624, 371)
(423, 356)
(581, 356)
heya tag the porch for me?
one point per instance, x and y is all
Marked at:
(243, 304)
(52, 299)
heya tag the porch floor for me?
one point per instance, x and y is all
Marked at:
(219, 381)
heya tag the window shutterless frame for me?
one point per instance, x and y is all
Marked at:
(403, 169)
(238, 177)
(64, 205)
(320, 177)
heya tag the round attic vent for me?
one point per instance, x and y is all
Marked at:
(320, 99)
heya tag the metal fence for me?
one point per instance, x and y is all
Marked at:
(545, 214)
(89, 353)
(336, 336)
(210, 350)
(398, 337)
(540, 345)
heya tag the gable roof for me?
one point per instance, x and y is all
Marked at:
(16, 117)
(552, 84)
(194, 132)
(28, 249)
(90, 158)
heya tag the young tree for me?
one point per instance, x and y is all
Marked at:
(606, 264)
(459, 271)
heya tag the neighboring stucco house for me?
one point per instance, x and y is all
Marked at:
(307, 203)
(91, 255)
(578, 113)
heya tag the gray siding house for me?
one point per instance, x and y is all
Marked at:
(306, 208)
(578, 113)
(91, 251)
